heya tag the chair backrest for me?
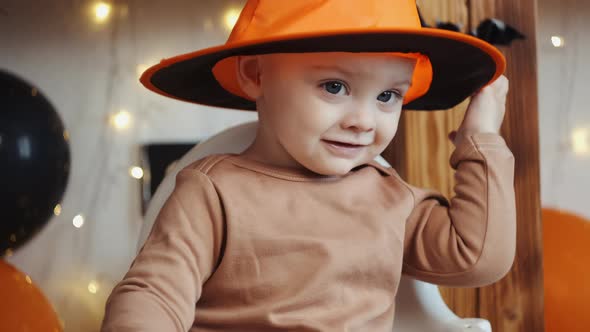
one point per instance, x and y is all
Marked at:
(419, 305)
(232, 140)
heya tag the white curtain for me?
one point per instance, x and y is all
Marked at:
(89, 71)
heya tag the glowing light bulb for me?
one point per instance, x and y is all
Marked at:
(57, 210)
(557, 41)
(102, 11)
(93, 287)
(136, 172)
(28, 279)
(78, 221)
(121, 120)
(581, 141)
(230, 18)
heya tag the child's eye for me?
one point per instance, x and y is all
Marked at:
(334, 87)
(387, 96)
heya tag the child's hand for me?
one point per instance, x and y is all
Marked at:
(485, 111)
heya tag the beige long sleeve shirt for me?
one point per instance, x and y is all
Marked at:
(241, 246)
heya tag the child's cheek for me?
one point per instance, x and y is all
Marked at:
(386, 127)
(321, 115)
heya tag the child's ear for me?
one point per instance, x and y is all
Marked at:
(249, 75)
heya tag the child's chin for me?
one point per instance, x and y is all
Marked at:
(333, 169)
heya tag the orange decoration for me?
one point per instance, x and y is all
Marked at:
(24, 308)
(566, 260)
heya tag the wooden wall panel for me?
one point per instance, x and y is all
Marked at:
(423, 142)
(455, 11)
(421, 150)
(516, 303)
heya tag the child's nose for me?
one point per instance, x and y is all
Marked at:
(362, 119)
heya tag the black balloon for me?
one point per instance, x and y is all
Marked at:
(34, 161)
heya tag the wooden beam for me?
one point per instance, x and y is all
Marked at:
(516, 303)
(421, 150)
(455, 11)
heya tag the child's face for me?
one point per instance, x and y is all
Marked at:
(329, 112)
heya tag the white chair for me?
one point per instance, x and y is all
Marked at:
(419, 307)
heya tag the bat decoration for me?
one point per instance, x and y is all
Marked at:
(492, 30)
(497, 32)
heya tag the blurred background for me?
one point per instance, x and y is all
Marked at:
(83, 59)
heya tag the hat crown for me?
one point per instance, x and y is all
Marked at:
(273, 18)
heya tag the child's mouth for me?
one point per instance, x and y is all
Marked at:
(343, 144)
(343, 149)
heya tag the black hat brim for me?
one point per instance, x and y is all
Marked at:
(461, 64)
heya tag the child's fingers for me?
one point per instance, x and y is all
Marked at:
(486, 109)
(501, 86)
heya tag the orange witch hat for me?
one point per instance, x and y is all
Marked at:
(451, 66)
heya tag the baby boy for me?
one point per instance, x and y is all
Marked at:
(303, 231)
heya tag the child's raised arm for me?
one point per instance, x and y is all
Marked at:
(164, 282)
(470, 241)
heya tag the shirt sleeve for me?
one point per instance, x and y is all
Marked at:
(471, 240)
(164, 282)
